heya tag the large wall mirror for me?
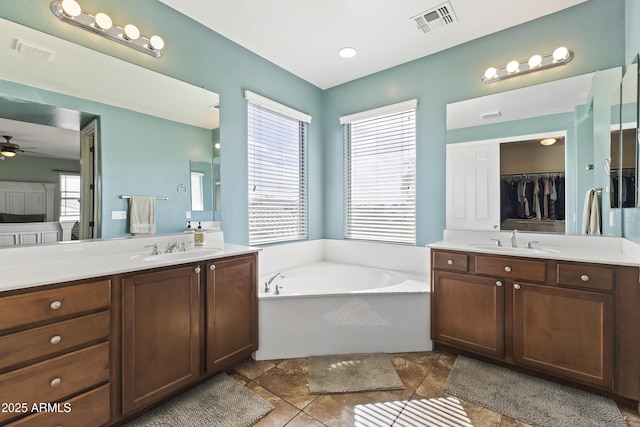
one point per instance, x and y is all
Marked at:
(100, 129)
(548, 143)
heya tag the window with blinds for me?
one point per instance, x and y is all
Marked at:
(277, 183)
(380, 166)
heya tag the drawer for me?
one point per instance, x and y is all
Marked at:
(586, 276)
(38, 306)
(88, 409)
(36, 343)
(453, 261)
(511, 268)
(55, 379)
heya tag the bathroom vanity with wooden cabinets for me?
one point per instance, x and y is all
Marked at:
(572, 320)
(99, 351)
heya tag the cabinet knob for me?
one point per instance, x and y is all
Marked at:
(498, 283)
(55, 305)
(507, 269)
(516, 286)
(450, 262)
(55, 339)
(212, 267)
(197, 269)
(55, 382)
(584, 278)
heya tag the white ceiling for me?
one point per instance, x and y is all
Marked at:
(40, 140)
(555, 97)
(304, 37)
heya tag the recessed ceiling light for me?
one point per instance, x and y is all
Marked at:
(548, 141)
(347, 52)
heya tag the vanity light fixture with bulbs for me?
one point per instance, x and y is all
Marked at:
(560, 56)
(69, 11)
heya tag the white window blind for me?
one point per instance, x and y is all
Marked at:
(277, 179)
(380, 166)
(69, 197)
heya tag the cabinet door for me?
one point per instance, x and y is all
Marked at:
(473, 186)
(468, 312)
(160, 334)
(564, 331)
(232, 311)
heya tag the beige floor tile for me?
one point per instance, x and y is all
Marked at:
(254, 368)
(435, 380)
(442, 411)
(511, 422)
(289, 380)
(631, 415)
(304, 420)
(371, 409)
(481, 417)
(283, 411)
(412, 368)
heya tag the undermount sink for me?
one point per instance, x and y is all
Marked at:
(510, 249)
(179, 256)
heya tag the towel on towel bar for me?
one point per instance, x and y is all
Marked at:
(591, 213)
(142, 217)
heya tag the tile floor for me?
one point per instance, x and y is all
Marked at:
(283, 383)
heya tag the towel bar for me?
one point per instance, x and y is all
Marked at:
(157, 198)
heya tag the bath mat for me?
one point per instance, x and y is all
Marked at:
(535, 401)
(347, 373)
(220, 401)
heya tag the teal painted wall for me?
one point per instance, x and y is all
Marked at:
(199, 56)
(594, 30)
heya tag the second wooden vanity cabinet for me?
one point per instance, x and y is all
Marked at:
(560, 318)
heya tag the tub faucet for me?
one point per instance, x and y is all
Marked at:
(514, 243)
(267, 284)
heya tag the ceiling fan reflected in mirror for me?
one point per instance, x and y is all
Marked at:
(9, 149)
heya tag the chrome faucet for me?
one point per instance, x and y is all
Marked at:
(173, 247)
(514, 243)
(267, 284)
(155, 250)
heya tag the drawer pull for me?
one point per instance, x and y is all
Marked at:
(584, 278)
(55, 305)
(507, 269)
(498, 283)
(55, 382)
(197, 270)
(212, 267)
(450, 262)
(516, 286)
(55, 339)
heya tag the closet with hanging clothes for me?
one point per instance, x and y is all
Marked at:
(532, 186)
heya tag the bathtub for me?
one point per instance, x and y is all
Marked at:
(333, 308)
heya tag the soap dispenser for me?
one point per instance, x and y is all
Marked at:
(189, 229)
(198, 237)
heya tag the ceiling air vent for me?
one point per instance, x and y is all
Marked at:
(435, 18)
(29, 49)
(491, 115)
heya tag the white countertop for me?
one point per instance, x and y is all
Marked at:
(24, 267)
(591, 249)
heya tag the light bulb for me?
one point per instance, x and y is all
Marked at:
(535, 61)
(548, 141)
(348, 52)
(103, 22)
(560, 54)
(71, 8)
(513, 67)
(131, 32)
(490, 73)
(156, 43)
(8, 153)
(217, 145)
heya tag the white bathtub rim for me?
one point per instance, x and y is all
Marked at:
(413, 283)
